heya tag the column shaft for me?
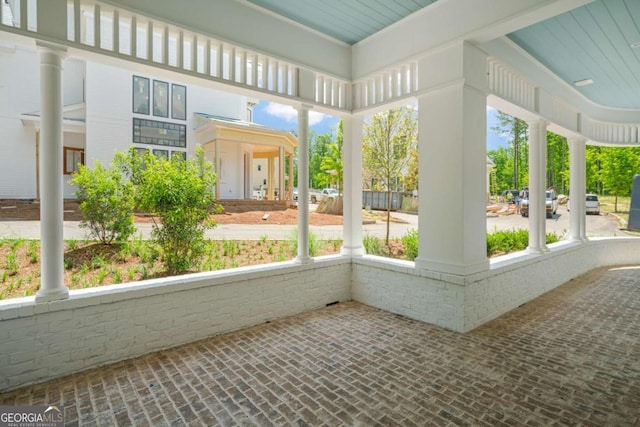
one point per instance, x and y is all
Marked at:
(452, 167)
(537, 166)
(582, 163)
(270, 177)
(51, 189)
(352, 191)
(282, 191)
(575, 188)
(303, 185)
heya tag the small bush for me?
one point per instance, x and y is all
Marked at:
(180, 193)
(314, 244)
(410, 241)
(106, 202)
(372, 245)
(512, 241)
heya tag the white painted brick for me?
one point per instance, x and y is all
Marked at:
(14, 369)
(17, 346)
(27, 331)
(34, 353)
(67, 324)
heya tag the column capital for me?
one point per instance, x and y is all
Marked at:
(579, 139)
(537, 122)
(303, 107)
(48, 47)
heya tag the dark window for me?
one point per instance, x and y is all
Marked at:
(160, 98)
(159, 133)
(178, 102)
(140, 95)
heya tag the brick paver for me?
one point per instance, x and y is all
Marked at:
(570, 357)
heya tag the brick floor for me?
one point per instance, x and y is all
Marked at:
(571, 357)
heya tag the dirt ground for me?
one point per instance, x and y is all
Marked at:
(26, 210)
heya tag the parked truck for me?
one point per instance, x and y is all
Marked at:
(326, 193)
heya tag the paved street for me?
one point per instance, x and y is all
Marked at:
(569, 357)
(597, 225)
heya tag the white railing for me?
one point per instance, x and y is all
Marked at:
(506, 84)
(606, 132)
(18, 14)
(127, 34)
(393, 84)
(102, 28)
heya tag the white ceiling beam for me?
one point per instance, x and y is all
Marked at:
(445, 22)
(238, 23)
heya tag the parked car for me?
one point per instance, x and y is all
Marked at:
(551, 204)
(326, 193)
(295, 193)
(592, 204)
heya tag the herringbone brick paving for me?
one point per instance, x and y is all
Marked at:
(570, 357)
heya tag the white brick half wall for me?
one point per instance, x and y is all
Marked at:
(464, 303)
(97, 326)
(102, 325)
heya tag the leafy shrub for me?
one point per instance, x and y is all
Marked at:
(106, 202)
(372, 245)
(180, 193)
(512, 240)
(314, 244)
(410, 241)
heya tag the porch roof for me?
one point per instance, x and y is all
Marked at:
(73, 118)
(264, 139)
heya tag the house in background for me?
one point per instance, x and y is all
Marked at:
(108, 108)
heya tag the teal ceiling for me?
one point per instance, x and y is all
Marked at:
(346, 20)
(592, 42)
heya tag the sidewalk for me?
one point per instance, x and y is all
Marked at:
(72, 230)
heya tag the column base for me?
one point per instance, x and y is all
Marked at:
(303, 260)
(535, 251)
(457, 269)
(356, 251)
(48, 295)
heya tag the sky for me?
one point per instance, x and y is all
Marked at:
(284, 117)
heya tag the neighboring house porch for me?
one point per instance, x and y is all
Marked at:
(251, 160)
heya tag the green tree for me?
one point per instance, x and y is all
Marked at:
(388, 140)
(503, 169)
(180, 193)
(332, 163)
(557, 162)
(618, 166)
(106, 202)
(318, 149)
(410, 179)
(518, 152)
(593, 169)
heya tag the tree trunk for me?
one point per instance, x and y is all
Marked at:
(388, 214)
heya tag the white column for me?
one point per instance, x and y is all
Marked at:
(452, 161)
(217, 164)
(537, 166)
(303, 184)
(291, 175)
(577, 185)
(352, 191)
(282, 191)
(543, 185)
(270, 177)
(583, 190)
(51, 189)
